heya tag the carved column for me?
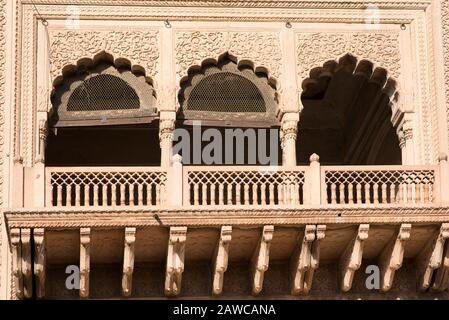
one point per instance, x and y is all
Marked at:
(444, 178)
(43, 133)
(405, 135)
(166, 128)
(38, 171)
(39, 261)
(128, 261)
(84, 262)
(288, 134)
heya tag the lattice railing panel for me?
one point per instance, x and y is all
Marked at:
(244, 187)
(364, 186)
(105, 187)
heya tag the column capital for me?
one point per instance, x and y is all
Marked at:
(166, 128)
(289, 127)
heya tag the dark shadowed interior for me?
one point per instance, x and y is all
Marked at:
(347, 115)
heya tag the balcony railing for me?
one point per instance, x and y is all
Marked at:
(225, 186)
(105, 186)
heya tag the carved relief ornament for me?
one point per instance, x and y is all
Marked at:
(138, 46)
(262, 48)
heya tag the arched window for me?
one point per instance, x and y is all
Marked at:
(230, 98)
(227, 91)
(347, 115)
(104, 114)
(103, 95)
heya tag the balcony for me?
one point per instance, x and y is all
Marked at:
(194, 207)
(230, 187)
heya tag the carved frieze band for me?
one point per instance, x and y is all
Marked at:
(139, 47)
(2, 101)
(262, 48)
(409, 4)
(315, 48)
(445, 23)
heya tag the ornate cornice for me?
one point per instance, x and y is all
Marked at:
(225, 13)
(309, 4)
(249, 216)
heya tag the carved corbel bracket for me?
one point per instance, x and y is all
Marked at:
(261, 259)
(84, 262)
(351, 260)
(175, 260)
(301, 260)
(392, 256)
(39, 261)
(314, 258)
(441, 281)
(221, 259)
(27, 270)
(431, 257)
(128, 261)
(16, 248)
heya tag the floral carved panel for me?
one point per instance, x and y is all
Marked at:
(139, 47)
(262, 48)
(313, 49)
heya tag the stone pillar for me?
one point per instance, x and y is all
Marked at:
(166, 128)
(405, 134)
(444, 178)
(38, 171)
(289, 127)
(43, 132)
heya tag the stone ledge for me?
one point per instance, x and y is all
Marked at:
(203, 217)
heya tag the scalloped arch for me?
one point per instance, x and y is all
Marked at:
(103, 64)
(257, 78)
(356, 100)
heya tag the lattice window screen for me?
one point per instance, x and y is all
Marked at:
(226, 92)
(103, 92)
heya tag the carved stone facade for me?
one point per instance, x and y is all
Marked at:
(208, 235)
(2, 131)
(316, 48)
(445, 26)
(138, 46)
(262, 48)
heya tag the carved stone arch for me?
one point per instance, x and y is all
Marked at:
(351, 102)
(226, 91)
(102, 91)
